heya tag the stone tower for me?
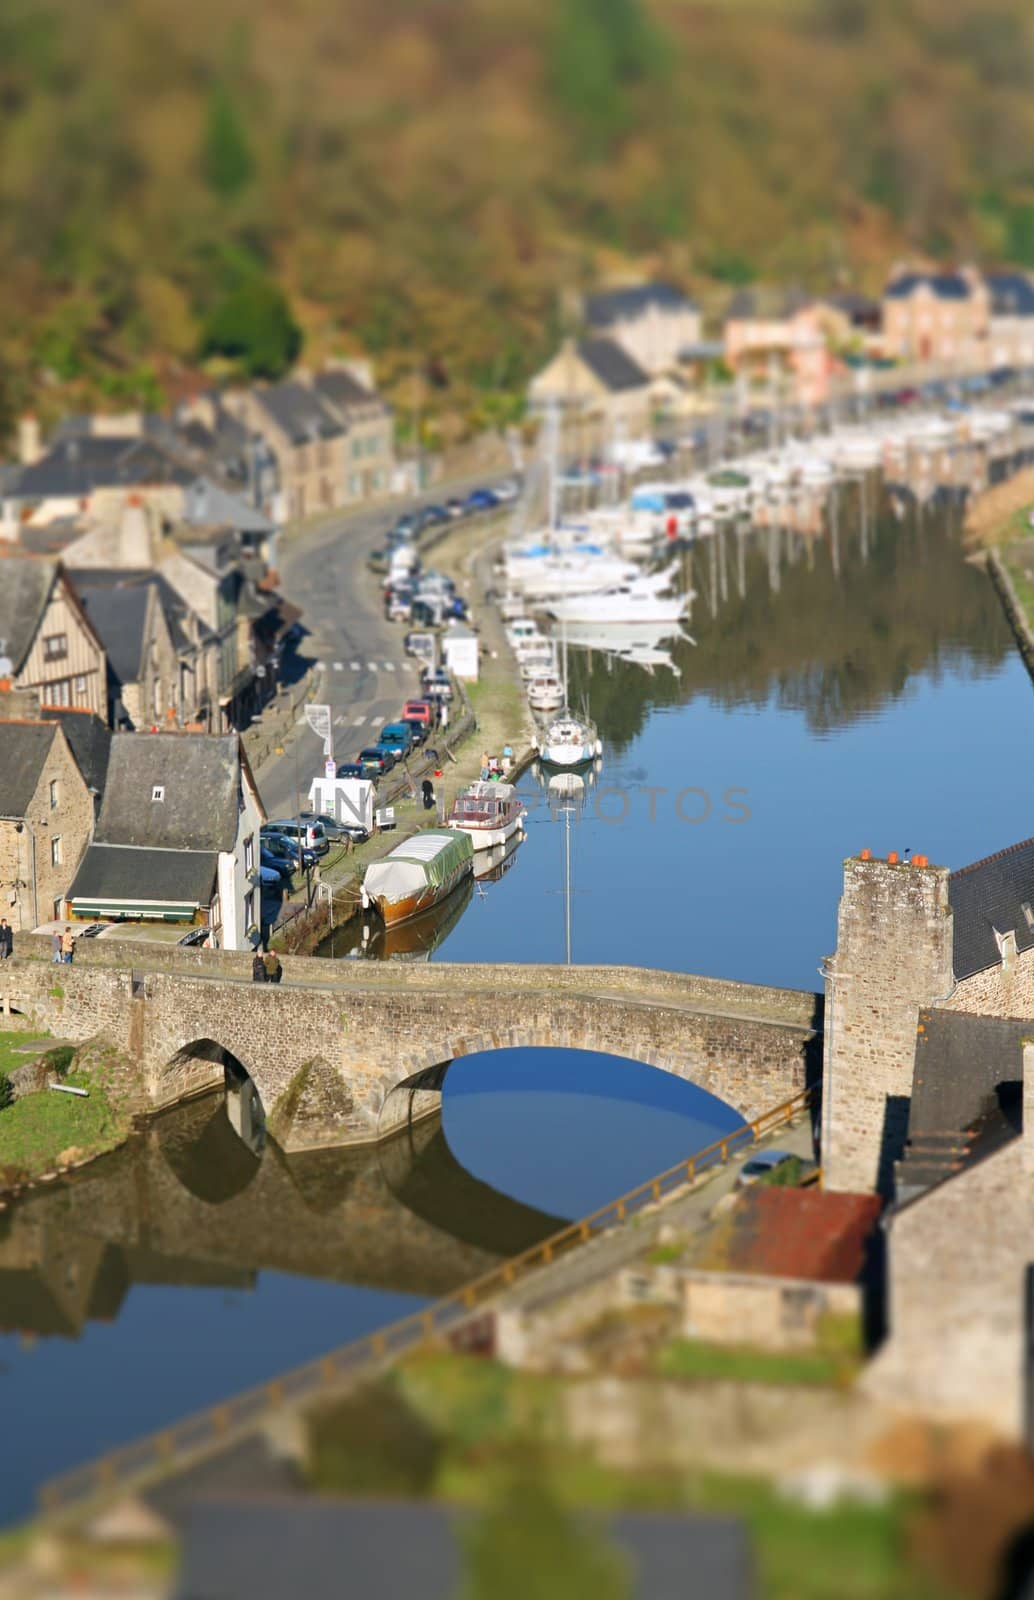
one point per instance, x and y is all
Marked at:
(893, 955)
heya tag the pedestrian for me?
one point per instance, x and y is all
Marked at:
(445, 716)
(55, 947)
(258, 968)
(427, 790)
(274, 971)
(6, 940)
(67, 947)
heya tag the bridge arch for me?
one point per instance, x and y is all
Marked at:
(206, 1064)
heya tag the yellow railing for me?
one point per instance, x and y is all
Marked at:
(197, 1435)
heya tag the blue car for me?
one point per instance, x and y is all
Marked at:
(481, 500)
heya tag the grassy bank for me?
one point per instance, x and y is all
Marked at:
(458, 1428)
(46, 1131)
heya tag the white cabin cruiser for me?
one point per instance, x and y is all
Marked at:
(622, 605)
(489, 813)
(545, 692)
(569, 741)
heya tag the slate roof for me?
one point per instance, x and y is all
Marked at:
(1012, 294)
(172, 602)
(262, 1547)
(608, 306)
(90, 739)
(24, 748)
(299, 411)
(74, 466)
(200, 774)
(25, 586)
(963, 1065)
(816, 1234)
(121, 872)
(945, 285)
(205, 504)
(343, 389)
(118, 613)
(987, 896)
(612, 365)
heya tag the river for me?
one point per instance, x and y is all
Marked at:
(834, 698)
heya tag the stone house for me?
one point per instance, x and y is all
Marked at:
(783, 1265)
(370, 448)
(654, 323)
(937, 318)
(89, 461)
(595, 380)
(785, 341)
(1011, 326)
(46, 818)
(143, 663)
(307, 437)
(928, 1095)
(177, 838)
(46, 637)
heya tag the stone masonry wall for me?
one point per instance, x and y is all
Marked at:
(893, 955)
(1004, 990)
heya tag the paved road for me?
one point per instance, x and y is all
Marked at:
(366, 675)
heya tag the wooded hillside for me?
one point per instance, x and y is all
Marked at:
(423, 178)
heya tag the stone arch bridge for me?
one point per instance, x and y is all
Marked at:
(345, 1052)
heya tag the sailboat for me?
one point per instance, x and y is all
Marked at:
(566, 740)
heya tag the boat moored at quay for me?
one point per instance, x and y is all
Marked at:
(488, 813)
(417, 874)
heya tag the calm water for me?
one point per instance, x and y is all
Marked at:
(867, 696)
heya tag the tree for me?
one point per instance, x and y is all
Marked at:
(226, 157)
(528, 1543)
(253, 325)
(601, 49)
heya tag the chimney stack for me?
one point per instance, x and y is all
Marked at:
(30, 442)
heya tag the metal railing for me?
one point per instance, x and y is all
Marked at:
(205, 1432)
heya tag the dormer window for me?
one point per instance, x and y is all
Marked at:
(158, 792)
(1028, 914)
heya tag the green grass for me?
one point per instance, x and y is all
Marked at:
(37, 1130)
(696, 1360)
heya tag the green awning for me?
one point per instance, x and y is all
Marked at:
(150, 910)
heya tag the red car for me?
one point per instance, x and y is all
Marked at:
(417, 711)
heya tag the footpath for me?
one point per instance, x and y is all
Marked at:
(485, 718)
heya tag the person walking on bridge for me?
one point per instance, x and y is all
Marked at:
(6, 940)
(258, 968)
(271, 963)
(67, 946)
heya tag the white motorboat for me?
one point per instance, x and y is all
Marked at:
(533, 663)
(488, 812)
(520, 630)
(613, 638)
(545, 692)
(622, 605)
(569, 741)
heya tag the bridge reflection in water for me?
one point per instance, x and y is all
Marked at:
(188, 1202)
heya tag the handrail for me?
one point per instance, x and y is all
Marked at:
(201, 1432)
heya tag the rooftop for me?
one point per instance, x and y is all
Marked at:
(611, 365)
(609, 306)
(171, 791)
(26, 583)
(990, 898)
(814, 1234)
(1012, 294)
(119, 874)
(90, 739)
(945, 285)
(26, 746)
(118, 613)
(299, 411)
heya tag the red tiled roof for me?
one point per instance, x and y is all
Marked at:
(801, 1233)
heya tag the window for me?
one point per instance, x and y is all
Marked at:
(55, 646)
(80, 688)
(55, 794)
(55, 850)
(249, 853)
(249, 909)
(158, 792)
(1028, 914)
(58, 694)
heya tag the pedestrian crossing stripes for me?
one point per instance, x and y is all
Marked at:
(339, 666)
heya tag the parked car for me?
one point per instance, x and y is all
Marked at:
(418, 711)
(761, 1164)
(336, 830)
(350, 769)
(406, 526)
(421, 645)
(437, 685)
(196, 936)
(481, 500)
(375, 762)
(399, 603)
(270, 877)
(276, 863)
(418, 730)
(312, 835)
(455, 506)
(431, 515)
(506, 491)
(396, 737)
(286, 849)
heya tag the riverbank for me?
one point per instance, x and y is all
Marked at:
(1001, 514)
(45, 1132)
